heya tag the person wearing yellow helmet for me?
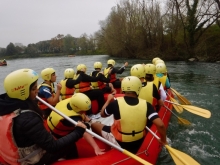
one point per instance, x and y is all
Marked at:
(113, 71)
(131, 115)
(161, 73)
(155, 59)
(150, 71)
(24, 138)
(47, 91)
(104, 84)
(149, 91)
(85, 87)
(68, 83)
(75, 108)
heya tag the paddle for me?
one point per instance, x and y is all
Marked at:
(181, 120)
(97, 136)
(179, 157)
(196, 110)
(179, 109)
(181, 98)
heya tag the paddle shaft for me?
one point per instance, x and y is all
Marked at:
(171, 111)
(153, 133)
(95, 135)
(173, 102)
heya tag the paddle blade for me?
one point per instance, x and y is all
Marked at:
(198, 111)
(179, 109)
(136, 157)
(183, 121)
(181, 158)
(181, 98)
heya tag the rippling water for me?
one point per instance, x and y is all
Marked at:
(198, 82)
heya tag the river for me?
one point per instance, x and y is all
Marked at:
(198, 82)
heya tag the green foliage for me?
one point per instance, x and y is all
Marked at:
(140, 29)
(11, 50)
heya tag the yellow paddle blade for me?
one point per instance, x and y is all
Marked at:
(198, 111)
(179, 109)
(181, 98)
(181, 158)
(136, 157)
(183, 121)
(180, 120)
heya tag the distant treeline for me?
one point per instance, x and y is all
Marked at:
(142, 29)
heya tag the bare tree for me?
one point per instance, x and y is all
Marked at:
(196, 17)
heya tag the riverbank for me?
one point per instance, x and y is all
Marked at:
(214, 59)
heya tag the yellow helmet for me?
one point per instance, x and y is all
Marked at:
(98, 65)
(137, 70)
(46, 73)
(17, 84)
(81, 66)
(159, 61)
(155, 59)
(111, 61)
(69, 73)
(150, 69)
(132, 84)
(161, 68)
(80, 102)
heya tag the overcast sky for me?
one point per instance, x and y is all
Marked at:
(31, 21)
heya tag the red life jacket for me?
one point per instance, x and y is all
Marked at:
(8, 148)
(112, 76)
(98, 84)
(82, 86)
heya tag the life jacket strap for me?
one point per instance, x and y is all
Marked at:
(132, 133)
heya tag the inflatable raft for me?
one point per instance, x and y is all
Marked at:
(149, 150)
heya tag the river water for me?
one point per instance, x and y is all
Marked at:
(198, 82)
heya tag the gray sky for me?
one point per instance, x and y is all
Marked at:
(30, 21)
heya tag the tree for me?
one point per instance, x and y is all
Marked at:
(69, 44)
(56, 43)
(196, 17)
(11, 50)
(82, 43)
(31, 50)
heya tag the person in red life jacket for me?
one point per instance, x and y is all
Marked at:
(131, 115)
(24, 138)
(66, 92)
(104, 85)
(161, 73)
(74, 108)
(47, 91)
(68, 83)
(113, 71)
(85, 87)
(4, 61)
(149, 91)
